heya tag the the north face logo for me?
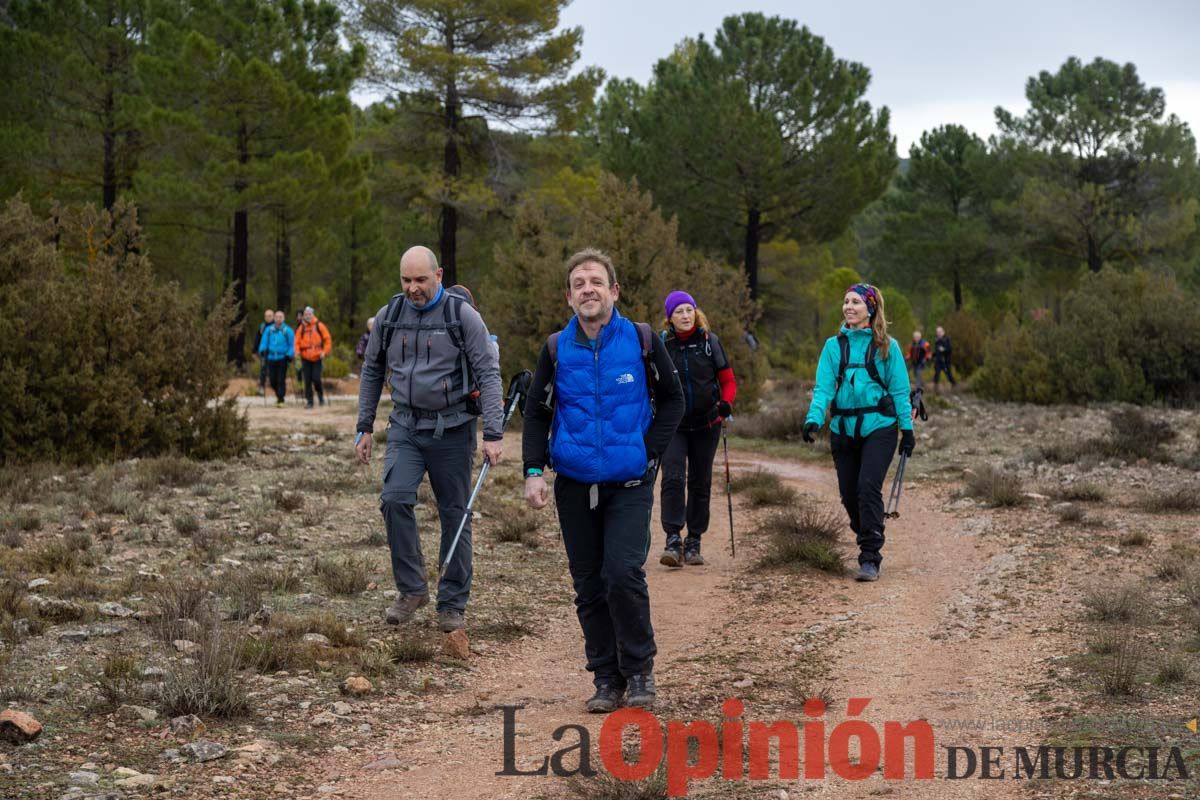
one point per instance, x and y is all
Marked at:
(625, 377)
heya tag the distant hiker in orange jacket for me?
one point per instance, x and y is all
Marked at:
(313, 343)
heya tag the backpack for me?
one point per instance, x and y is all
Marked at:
(645, 335)
(886, 406)
(452, 303)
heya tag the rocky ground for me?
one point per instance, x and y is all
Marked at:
(214, 630)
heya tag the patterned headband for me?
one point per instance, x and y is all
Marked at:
(869, 295)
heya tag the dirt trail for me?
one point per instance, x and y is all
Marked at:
(911, 643)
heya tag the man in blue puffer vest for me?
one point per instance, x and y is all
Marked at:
(589, 417)
(277, 346)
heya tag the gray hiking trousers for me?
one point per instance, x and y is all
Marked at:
(448, 460)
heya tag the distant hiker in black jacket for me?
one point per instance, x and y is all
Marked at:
(941, 357)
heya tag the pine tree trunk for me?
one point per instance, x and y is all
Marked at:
(448, 241)
(109, 179)
(283, 267)
(241, 258)
(355, 276)
(1095, 261)
(958, 301)
(753, 234)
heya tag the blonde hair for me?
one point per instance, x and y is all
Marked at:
(701, 322)
(879, 327)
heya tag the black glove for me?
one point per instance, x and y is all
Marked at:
(724, 410)
(810, 428)
(907, 442)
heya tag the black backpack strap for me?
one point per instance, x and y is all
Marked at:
(552, 349)
(392, 313)
(844, 348)
(452, 316)
(872, 368)
(646, 335)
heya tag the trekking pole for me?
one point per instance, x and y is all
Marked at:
(728, 492)
(518, 387)
(893, 502)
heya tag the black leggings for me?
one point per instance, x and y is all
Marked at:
(862, 466)
(688, 462)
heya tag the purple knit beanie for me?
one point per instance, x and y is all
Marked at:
(676, 299)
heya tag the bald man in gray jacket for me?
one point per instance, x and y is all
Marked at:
(439, 355)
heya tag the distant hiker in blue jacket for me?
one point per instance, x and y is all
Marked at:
(863, 381)
(277, 348)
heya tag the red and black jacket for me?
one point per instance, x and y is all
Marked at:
(704, 373)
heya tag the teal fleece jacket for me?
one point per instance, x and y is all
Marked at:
(858, 390)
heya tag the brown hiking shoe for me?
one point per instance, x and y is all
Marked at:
(450, 619)
(403, 607)
(693, 558)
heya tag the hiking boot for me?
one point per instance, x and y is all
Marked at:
(640, 691)
(673, 553)
(403, 607)
(691, 552)
(867, 572)
(279, 404)
(606, 699)
(450, 619)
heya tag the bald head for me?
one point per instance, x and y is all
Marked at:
(420, 275)
(419, 256)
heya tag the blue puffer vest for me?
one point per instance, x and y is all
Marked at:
(601, 405)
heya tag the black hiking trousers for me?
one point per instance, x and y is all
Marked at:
(862, 466)
(606, 552)
(939, 367)
(277, 368)
(688, 463)
(311, 372)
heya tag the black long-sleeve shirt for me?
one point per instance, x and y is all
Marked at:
(668, 400)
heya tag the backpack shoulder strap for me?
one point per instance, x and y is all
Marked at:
(452, 315)
(646, 335)
(844, 348)
(390, 315)
(552, 349)
(872, 369)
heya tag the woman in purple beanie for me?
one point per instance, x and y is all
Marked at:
(709, 389)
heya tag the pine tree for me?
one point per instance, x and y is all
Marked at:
(458, 65)
(67, 126)
(1108, 176)
(762, 133)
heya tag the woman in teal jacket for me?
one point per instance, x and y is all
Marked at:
(863, 381)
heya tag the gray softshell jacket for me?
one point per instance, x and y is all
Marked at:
(426, 378)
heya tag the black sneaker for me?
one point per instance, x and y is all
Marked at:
(606, 699)
(640, 692)
(691, 552)
(867, 572)
(672, 555)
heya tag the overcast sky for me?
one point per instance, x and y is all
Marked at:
(931, 62)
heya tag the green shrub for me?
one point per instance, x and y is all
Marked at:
(1121, 338)
(138, 370)
(1018, 366)
(335, 367)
